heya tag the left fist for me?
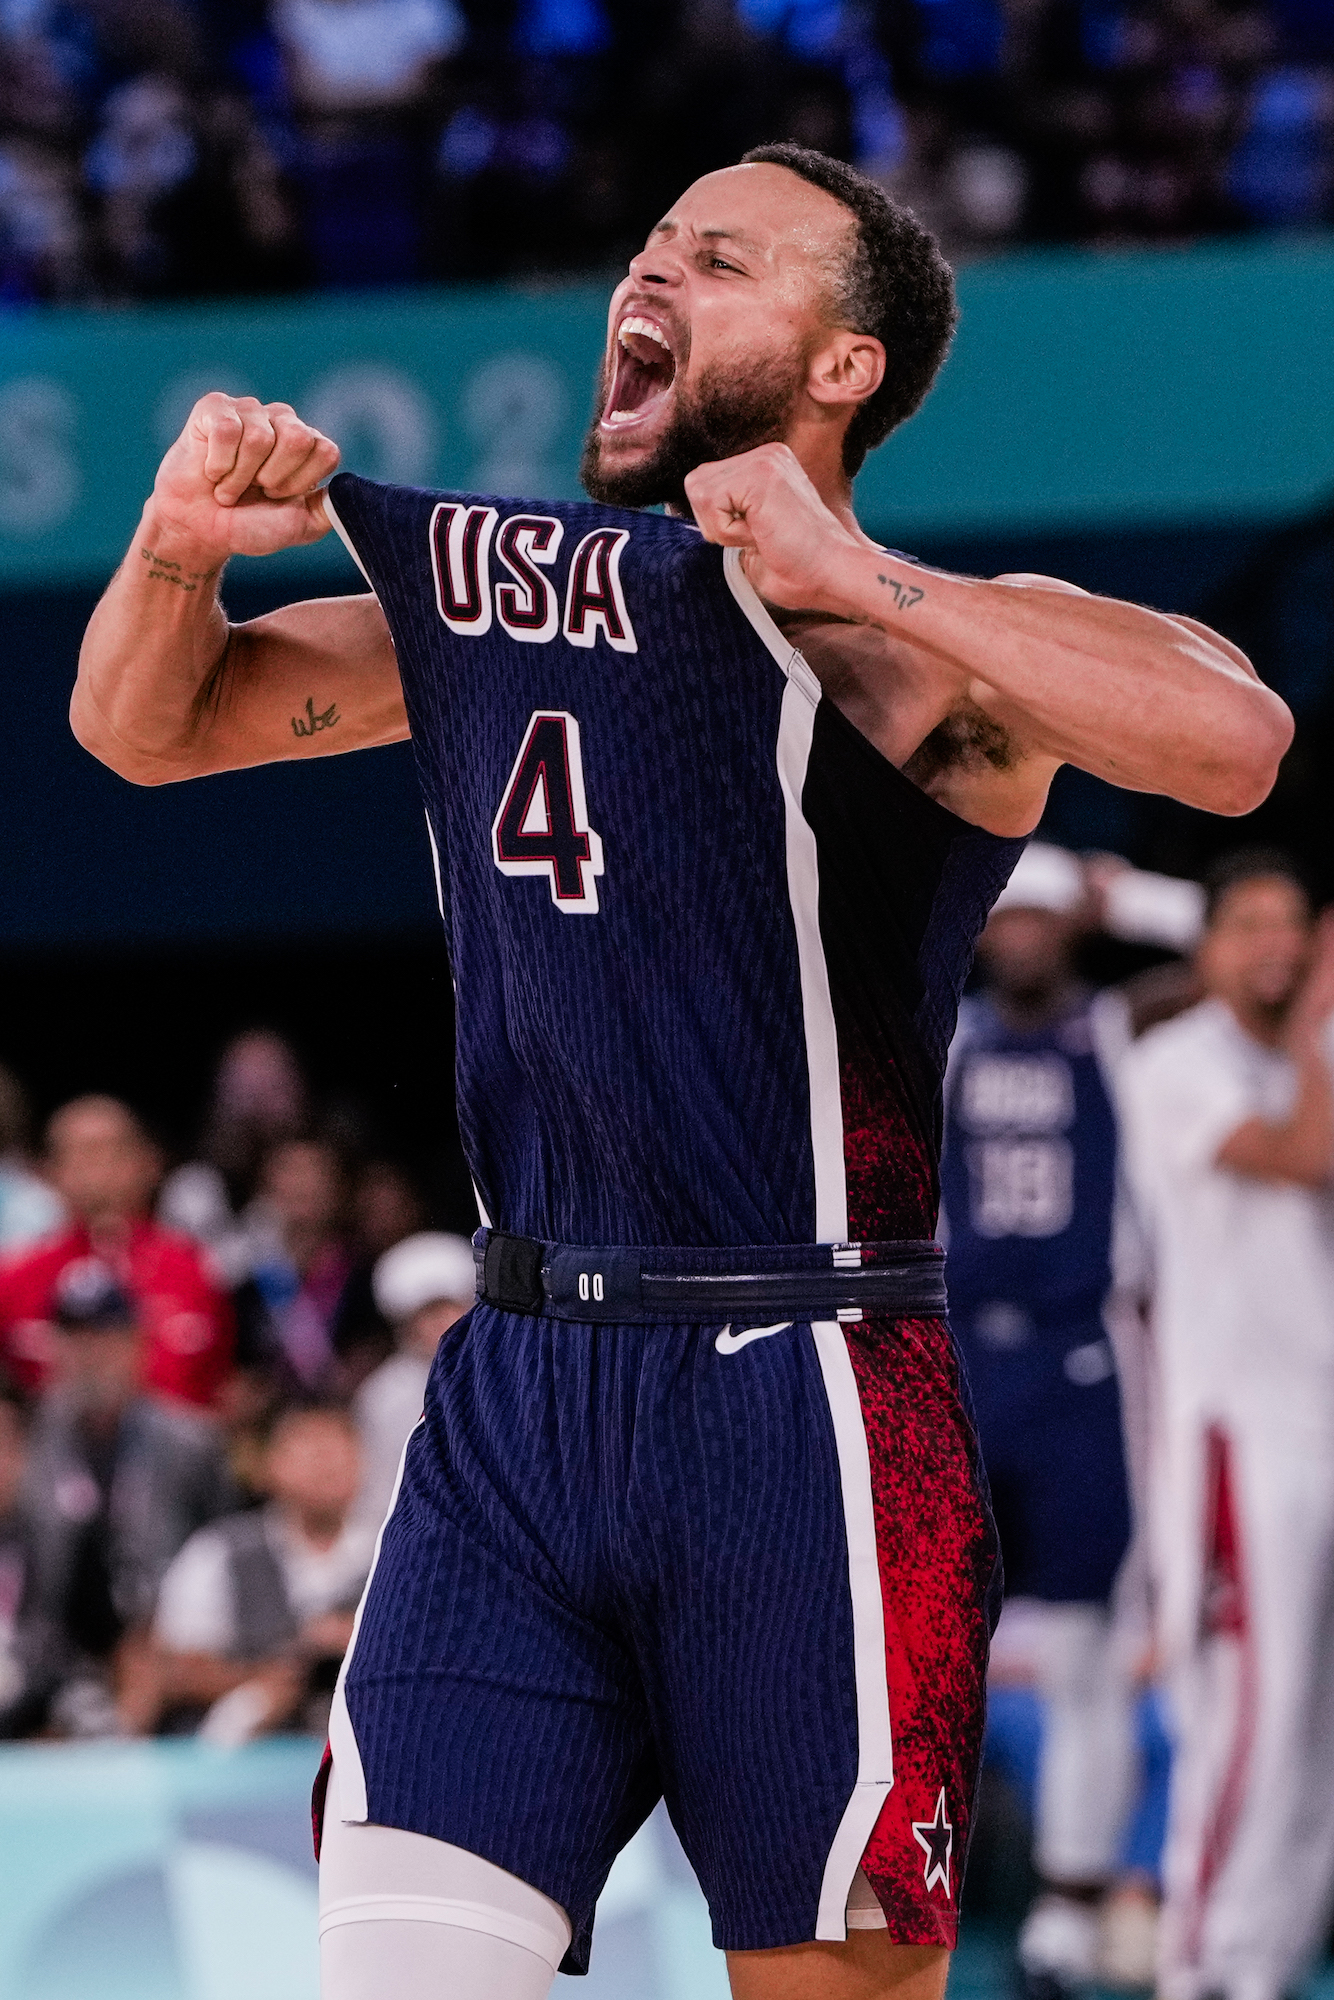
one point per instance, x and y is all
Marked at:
(763, 503)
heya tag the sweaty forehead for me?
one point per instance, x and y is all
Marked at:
(762, 208)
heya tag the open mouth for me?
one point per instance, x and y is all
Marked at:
(643, 375)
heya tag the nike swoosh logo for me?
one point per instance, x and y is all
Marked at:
(732, 1343)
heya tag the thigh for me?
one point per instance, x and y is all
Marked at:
(814, 1651)
(415, 1917)
(485, 1702)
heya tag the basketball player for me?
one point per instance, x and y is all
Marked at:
(693, 1508)
(1229, 1122)
(1029, 1199)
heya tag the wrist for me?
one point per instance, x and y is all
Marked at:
(883, 588)
(162, 545)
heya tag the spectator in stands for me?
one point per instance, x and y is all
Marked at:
(103, 1165)
(361, 74)
(117, 1482)
(422, 1287)
(255, 1614)
(1229, 1116)
(31, 1655)
(386, 1207)
(259, 1097)
(305, 1274)
(29, 1207)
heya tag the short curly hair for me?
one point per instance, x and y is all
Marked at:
(895, 285)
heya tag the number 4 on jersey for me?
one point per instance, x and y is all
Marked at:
(542, 826)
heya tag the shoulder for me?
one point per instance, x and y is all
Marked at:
(1186, 1067)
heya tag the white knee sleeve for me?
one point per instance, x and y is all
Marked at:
(404, 1917)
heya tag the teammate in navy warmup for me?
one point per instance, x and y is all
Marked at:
(694, 1507)
(1029, 1194)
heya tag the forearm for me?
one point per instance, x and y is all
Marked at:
(168, 689)
(151, 655)
(1297, 1150)
(1145, 701)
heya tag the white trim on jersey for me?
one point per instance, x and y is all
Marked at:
(435, 864)
(344, 537)
(875, 1748)
(342, 1736)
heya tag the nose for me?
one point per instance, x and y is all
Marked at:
(656, 266)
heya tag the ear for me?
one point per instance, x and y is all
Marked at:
(846, 368)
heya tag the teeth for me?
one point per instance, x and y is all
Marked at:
(644, 326)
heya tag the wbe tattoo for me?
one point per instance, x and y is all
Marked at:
(311, 724)
(162, 571)
(905, 594)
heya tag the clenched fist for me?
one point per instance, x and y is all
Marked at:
(763, 503)
(241, 479)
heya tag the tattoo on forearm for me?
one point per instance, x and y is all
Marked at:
(905, 594)
(311, 723)
(160, 570)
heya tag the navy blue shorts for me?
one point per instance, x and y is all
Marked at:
(752, 1570)
(1049, 1415)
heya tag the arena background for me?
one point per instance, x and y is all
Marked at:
(1140, 398)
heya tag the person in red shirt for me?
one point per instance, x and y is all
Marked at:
(102, 1163)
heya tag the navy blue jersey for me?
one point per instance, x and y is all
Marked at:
(1029, 1175)
(707, 942)
(1029, 1184)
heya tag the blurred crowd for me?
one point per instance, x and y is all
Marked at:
(207, 1376)
(190, 148)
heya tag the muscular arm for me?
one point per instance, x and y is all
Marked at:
(1298, 1149)
(1149, 702)
(167, 689)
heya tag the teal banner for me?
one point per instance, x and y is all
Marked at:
(1084, 390)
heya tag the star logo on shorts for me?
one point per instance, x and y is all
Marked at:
(935, 1837)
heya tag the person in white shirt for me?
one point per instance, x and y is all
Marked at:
(422, 1287)
(1229, 1124)
(255, 1613)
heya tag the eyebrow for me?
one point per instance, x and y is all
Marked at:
(737, 236)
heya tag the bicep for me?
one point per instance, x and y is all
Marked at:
(309, 680)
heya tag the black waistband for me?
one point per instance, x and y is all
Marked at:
(611, 1284)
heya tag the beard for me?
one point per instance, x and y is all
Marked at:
(727, 411)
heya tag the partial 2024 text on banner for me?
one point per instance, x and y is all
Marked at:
(1084, 390)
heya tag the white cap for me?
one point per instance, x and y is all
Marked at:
(1154, 909)
(1044, 878)
(421, 1270)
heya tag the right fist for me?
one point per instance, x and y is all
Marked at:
(241, 478)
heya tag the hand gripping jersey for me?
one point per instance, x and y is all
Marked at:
(707, 946)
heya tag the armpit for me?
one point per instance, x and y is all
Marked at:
(967, 740)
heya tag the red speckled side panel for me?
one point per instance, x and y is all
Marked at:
(938, 1554)
(892, 1186)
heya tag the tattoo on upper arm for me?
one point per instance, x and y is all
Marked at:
(162, 571)
(311, 723)
(905, 594)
